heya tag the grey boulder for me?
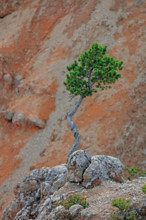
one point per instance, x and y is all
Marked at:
(77, 164)
(103, 168)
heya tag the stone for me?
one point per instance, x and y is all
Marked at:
(26, 187)
(9, 115)
(75, 210)
(23, 214)
(7, 78)
(87, 214)
(140, 208)
(56, 173)
(18, 118)
(43, 215)
(32, 194)
(18, 80)
(103, 168)
(77, 164)
(56, 196)
(93, 183)
(45, 187)
(11, 211)
(59, 213)
(37, 122)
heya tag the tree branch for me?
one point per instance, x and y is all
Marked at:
(89, 76)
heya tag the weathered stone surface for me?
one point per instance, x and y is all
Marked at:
(56, 196)
(75, 210)
(93, 183)
(34, 196)
(77, 164)
(18, 80)
(18, 118)
(31, 192)
(11, 211)
(140, 208)
(103, 168)
(9, 115)
(59, 213)
(87, 214)
(7, 78)
(37, 123)
(45, 188)
(23, 214)
(43, 214)
(26, 187)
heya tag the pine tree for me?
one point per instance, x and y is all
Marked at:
(92, 72)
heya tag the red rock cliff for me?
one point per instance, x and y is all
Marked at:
(38, 39)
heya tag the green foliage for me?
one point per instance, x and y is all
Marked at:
(135, 173)
(144, 188)
(72, 200)
(121, 203)
(93, 68)
(124, 213)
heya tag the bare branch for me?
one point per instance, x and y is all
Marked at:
(89, 76)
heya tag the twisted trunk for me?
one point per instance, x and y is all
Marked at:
(74, 129)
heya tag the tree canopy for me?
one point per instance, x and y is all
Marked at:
(92, 71)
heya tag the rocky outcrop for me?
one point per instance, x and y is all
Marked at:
(29, 194)
(36, 194)
(92, 170)
(103, 168)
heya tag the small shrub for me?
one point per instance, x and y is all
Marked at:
(121, 203)
(72, 200)
(124, 214)
(144, 188)
(135, 173)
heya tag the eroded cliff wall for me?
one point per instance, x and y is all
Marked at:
(38, 39)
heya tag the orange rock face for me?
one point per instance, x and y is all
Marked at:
(38, 39)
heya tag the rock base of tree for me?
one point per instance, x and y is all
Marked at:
(35, 195)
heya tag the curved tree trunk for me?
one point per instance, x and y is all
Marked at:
(73, 128)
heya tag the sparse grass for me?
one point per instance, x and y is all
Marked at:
(135, 173)
(144, 188)
(124, 213)
(72, 200)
